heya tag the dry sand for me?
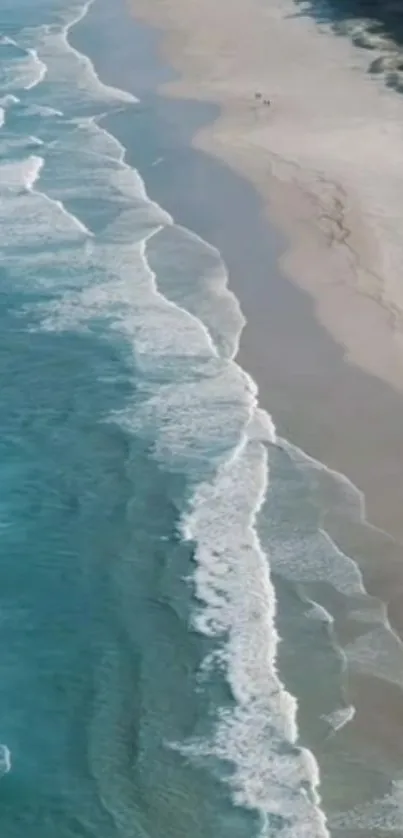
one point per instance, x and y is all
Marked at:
(326, 154)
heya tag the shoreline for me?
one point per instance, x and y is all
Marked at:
(301, 372)
(338, 414)
(309, 159)
(309, 223)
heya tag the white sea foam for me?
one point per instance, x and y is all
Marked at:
(5, 103)
(318, 612)
(41, 110)
(75, 84)
(88, 74)
(339, 718)
(9, 99)
(204, 411)
(383, 815)
(35, 140)
(237, 605)
(201, 411)
(198, 407)
(28, 217)
(41, 70)
(5, 39)
(378, 652)
(353, 497)
(32, 171)
(318, 557)
(5, 760)
(175, 254)
(23, 72)
(20, 175)
(300, 549)
(95, 143)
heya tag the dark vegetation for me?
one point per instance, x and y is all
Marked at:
(374, 25)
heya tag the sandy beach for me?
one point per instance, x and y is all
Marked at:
(319, 341)
(325, 156)
(326, 348)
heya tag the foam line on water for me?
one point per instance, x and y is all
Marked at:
(221, 288)
(355, 507)
(107, 149)
(237, 603)
(154, 285)
(237, 606)
(5, 760)
(41, 110)
(33, 170)
(123, 95)
(6, 102)
(75, 73)
(353, 500)
(355, 497)
(113, 144)
(32, 175)
(41, 70)
(21, 175)
(23, 222)
(9, 99)
(384, 814)
(35, 140)
(25, 69)
(237, 597)
(134, 175)
(176, 254)
(340, 718)
(378, 652)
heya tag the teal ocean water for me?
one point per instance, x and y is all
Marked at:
(145, 501)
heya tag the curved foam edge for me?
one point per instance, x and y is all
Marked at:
(5, 760)
(340, 717)
(384, 814)
(247, 613)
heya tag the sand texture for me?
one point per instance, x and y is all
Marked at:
(326, 154)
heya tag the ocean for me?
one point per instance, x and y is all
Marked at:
(158, 536)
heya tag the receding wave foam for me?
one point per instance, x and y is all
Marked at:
(5, 760)
(237, 606)
(75, 85)
(29, 218)
(20, 68)
(200, 411)
(383, 815)
(379, 650)
(196, 406)
(175, 254)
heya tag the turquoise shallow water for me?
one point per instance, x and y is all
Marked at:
(143, 495)
(121, 409)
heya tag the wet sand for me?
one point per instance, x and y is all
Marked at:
(315, 390)
(323, 232)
